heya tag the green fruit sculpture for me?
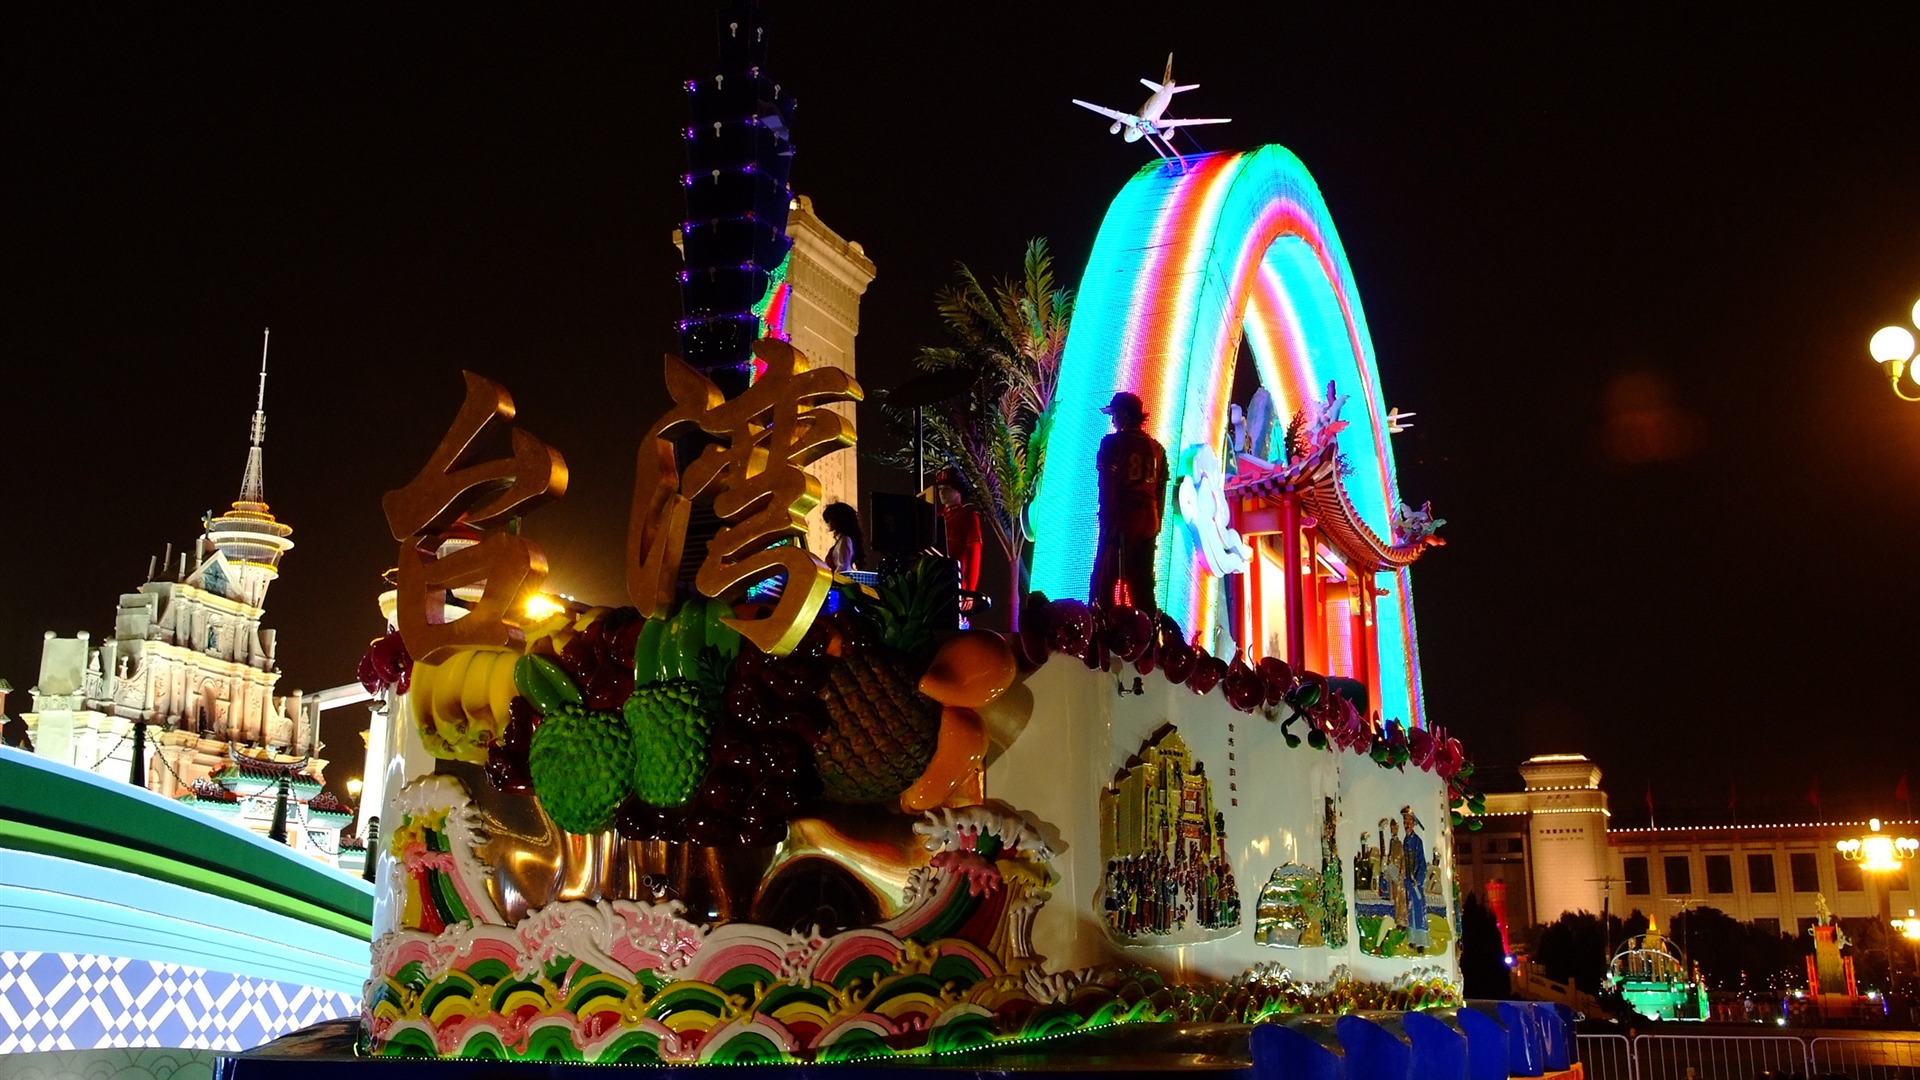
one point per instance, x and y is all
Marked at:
(582, 767)
(680, 666)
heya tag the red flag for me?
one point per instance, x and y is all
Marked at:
(1900, 789)
(1813, 793)
(1733, 795)
(1649, 798)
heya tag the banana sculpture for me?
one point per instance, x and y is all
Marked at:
(460, 704)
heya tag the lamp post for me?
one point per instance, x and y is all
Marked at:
(1680, 906)
(1688, 966)
(1878, 853)
(1908, 928)
(1893, 349)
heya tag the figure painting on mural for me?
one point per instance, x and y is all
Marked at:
(1133, 489)
(1403, 910)
(1413, 865)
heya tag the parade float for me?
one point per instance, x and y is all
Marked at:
(760, 813)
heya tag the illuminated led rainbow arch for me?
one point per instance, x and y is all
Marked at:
(1184, 266)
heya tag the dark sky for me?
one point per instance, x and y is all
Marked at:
(1623, 264)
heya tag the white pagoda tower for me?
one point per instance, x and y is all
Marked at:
(189, 664)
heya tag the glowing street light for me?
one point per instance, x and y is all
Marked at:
(354, 787)
(1909, 927)
(1880, 853)
(1877, 851)
(1893, 349)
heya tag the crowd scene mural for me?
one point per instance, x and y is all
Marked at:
(1167, 867)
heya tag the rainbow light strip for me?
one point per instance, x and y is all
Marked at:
(1185, 265)
(772, 308)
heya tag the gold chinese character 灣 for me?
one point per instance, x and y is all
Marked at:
(755, 477)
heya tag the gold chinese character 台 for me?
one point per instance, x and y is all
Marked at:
(459, 492)
(512, 569)
(756, 478)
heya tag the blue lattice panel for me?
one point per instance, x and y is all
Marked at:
(64, 1001)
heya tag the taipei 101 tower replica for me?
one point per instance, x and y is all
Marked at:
(759, 262)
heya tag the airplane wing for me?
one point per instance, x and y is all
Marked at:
(1166, 123)
(1111, 114)
(1153, 86)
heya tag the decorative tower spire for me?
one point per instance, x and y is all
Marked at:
(247, 534)
(253, 483)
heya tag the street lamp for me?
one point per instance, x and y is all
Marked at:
(1893, 349)
(354, 787)
(1879, 854)
(1680, 906)
(1877, 851)
(1909, 927)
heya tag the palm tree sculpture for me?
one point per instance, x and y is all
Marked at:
(995, 435)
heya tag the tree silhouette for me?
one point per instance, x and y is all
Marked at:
(995, 435)
(1483, 964)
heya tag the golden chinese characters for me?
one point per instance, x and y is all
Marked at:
(754, 475)
(457, 495)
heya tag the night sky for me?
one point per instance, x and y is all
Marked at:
(1624, 265)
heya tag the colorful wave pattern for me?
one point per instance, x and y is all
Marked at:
(1186, 266)
(632, 982)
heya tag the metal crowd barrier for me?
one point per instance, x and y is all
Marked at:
(1865, 1059)
(1607, 1057)
(1735, 1057)
(1717, 1057)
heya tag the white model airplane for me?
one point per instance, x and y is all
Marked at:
(1150, 123)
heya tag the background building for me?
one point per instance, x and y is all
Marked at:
(1547, 838)
(184, 698)
(826, 276)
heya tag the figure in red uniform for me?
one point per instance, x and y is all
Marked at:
(1133, 489)
(961, 524)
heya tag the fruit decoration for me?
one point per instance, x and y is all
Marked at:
(970, 671)
(723, 743)
(681, 666)
(1276, 676)
(882, 730)
(1129, 632)
(1208, 671)
(460, 704)
(1072, 626)
(1177, 658)
(582, 765)
(386, 664)
(1242, 685)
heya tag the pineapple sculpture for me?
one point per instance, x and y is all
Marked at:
(882, 730)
